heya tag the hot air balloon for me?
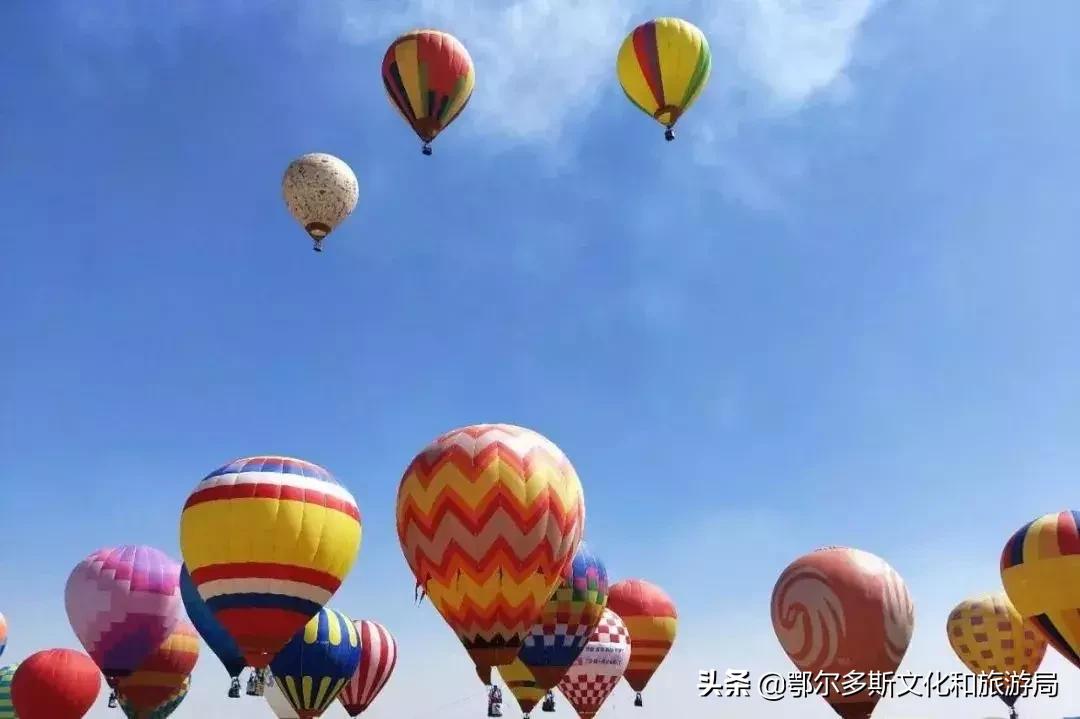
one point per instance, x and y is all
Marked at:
(663, 66)
(378, 657)
(839, 610)
(522, 684)
(320, 191)
(429, 78)
(55, 684)
(7, 709)
(123, 603)
(267, 541)
(279, 704)
(3, 634)
(163, 710)
(488, 517)
(1040, 568)
(162, 674)
(315, 665)
(594, 674)
(989, 635)
(215, 636)
(566, 620)
(650, 615)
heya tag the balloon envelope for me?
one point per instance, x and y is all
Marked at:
(122, 603)
(314, 666)
(1040, 568)
(7, 709)
(488, 517)
(320, 191)
(267, 541)
(594, 674)
(55, 684)
(429, 78)
(522, 684)
(989, 635)
(663, 66)
(378, 657)
(279, 704)
(209, 628)
(3, 634)
(651, 617)
(163, 710)
(839, 610)
(566, 620)
(164, 672)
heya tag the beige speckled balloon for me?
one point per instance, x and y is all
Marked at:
(320, 191)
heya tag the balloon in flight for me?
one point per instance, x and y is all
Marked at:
(522, 684)
(598, 669)
(429, 78)
(378, 657)
(279, 704)
(1040, 568)
(209, 628)
(320, 191)
(488, 517)
(840, 610)
(315, 665)
(663, 66)
(567, 619)
(122, 603)
(163, 673)
(55, 684)
(651, 617)
(267, 541)
(7, 709)
(161, 711)
(989, 635)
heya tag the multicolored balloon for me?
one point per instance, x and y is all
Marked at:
(163, 673)
(1040, 568)
(488, 517)
(3, 634)
(378, 657)
(566, 620)
(163, 710)
(429, 78)
(122, 603)
(989, 635)
(596, 672)
(7, 709)
(321, 191)
(209, 628)
(663, 66)
(315, 665)
(653, 621)
(279, 703)
(55, 684)
(839, 610)
(522, 684)
(267, 541)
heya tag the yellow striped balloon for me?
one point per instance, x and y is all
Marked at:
(315, 665)
(663, 66)
(652, 619)
(522, 684)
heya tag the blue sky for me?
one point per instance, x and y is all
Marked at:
(840, 308)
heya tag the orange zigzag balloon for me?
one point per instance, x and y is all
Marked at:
(488, 517)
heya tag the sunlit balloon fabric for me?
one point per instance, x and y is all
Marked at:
(488, 517)
(122, 603)
(163, 672)
(663, 66)
(522, 684)
(209, 628)
(163, 710)
(314, 666)
(7, 709)
(653, 621)
(3, 634)
(429, 78)
(378, 657)
(267, 541)
(838, 610)
(989, 635)
(596, 672)
(55, 684)
(1040, 568)
(567, 619)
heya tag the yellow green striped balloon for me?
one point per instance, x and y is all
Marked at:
(7, 709)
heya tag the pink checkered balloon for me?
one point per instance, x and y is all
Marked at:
(598, 668)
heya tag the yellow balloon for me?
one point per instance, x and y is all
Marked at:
(663, 66)
(522, 684)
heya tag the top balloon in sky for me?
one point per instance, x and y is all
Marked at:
(320, 191)
(429, 78)
(663, 66)
(267, 541)
(839, 610)
(488, 517)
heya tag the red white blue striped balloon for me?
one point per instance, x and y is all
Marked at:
(378, 656)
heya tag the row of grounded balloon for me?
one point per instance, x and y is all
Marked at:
(663, 66)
